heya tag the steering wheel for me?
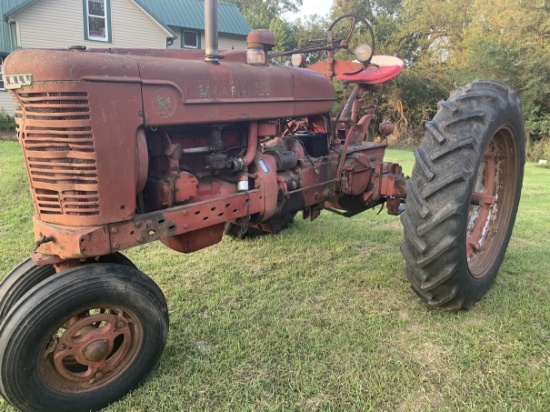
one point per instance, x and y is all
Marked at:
(341, 39)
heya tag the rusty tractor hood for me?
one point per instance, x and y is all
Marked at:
(179, 87)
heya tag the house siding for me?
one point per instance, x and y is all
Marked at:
(59, 23)
(225, 41)
(229, 42)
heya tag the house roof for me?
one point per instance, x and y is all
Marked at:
(7, 38)
(187, 14)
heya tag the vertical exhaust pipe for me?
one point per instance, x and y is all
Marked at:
(211, 30)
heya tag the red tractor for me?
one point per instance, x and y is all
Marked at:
(124, 147)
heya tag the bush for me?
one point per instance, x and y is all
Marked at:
(7, 122)
(410, 100)
(539, 149)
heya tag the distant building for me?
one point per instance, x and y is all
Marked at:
(158, 24)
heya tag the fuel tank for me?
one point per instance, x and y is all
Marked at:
(179, 87)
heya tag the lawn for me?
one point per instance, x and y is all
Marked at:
(321, 317)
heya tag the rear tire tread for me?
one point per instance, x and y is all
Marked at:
(440, 188)
(424, 165)
(453, 178)
(461, 144)
(436, 132)
(438, 218)
(465, 117)
(443, 276)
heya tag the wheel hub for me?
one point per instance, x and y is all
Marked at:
(483, 203)
(93, 346)
(490, 203)
(96, 351)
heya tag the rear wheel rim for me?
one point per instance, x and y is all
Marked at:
(492, 202)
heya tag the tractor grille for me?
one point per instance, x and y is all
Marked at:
(56, 135)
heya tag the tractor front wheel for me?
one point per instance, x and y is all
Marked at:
(463, 195)
(27, 275)
(81, 339)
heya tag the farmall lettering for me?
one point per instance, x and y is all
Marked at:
(237, 146)
(212, 89)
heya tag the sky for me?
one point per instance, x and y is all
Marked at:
(321, 7)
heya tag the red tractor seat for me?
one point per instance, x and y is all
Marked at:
(381, 69)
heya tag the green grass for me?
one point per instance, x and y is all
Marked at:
(321, 317)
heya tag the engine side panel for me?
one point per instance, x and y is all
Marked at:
(193, 92)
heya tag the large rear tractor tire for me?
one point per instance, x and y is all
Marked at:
(81, 339)
(463, 195)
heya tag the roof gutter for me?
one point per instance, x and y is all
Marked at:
(13, 44)
(18, 8)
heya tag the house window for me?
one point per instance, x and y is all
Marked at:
(97, 18)
(189, 39)
(1, 72)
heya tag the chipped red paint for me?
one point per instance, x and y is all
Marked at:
(126, 147)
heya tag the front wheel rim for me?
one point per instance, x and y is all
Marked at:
(91, 349)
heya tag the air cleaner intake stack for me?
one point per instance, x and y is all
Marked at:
(211, 30)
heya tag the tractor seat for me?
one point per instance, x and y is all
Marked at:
(380, 70)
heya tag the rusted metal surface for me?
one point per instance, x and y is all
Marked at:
(312, 183)
(73, 242)
(334, 67)
(73, 66)
(199, 239)
(392, 185)
(193, 152)
(483, 200)
(230, 92)
(386, 128)
(91, 349)
(142, 160)
(261, 38)
(491, 201)
(73, 148)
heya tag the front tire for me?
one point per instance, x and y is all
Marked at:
(81, 339)
(463, 195)
(27, 275)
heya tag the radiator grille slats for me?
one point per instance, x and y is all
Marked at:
(59, 145)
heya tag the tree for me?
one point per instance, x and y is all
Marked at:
(285, 34)
(360, 7)
(511, 43)
(445, 43)
(260, 13)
